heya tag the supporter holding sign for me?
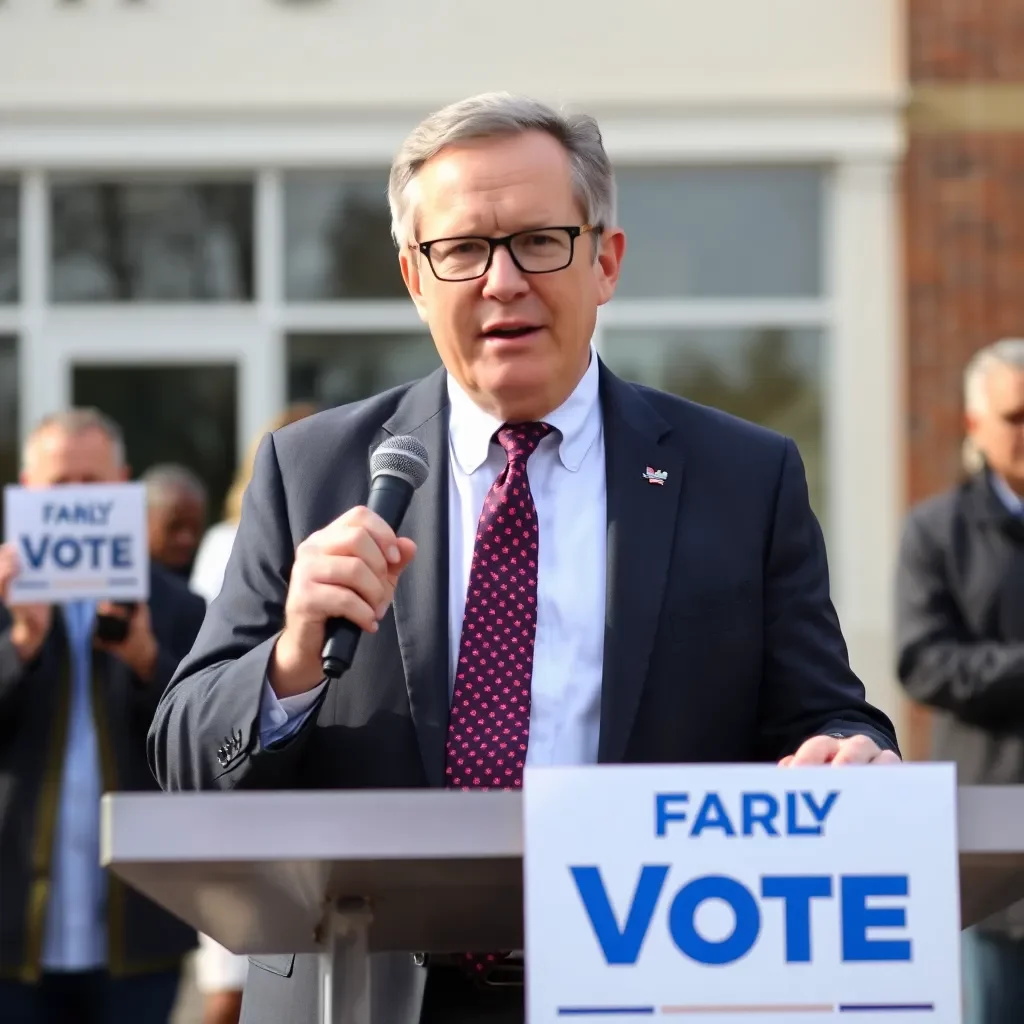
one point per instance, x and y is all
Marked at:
(90, 634)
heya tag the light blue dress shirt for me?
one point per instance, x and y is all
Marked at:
(279, 718)
(76, 933)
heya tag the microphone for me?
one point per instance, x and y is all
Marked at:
(398, 467)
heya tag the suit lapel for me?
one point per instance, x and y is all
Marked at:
(642, 520)
(421, 597)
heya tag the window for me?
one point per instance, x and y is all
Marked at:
(184, 413)
(332, 369)
(771, 376)
(8, 242)
(721, 298)
(9, 455)
(152, 241)
(338, 238)
(721, 232)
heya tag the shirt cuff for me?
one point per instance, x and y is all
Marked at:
(279, 718)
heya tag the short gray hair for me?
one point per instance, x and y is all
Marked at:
(75, 422)
(494, 114)
(1006, 352)
(165, 480)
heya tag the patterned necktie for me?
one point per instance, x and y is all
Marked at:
(489, 723)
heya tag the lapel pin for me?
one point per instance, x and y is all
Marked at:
(655, 476)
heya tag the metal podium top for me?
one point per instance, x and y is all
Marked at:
(255, 871)
(443, 870)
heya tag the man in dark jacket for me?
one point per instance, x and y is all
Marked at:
(75, 943)
(960, 625)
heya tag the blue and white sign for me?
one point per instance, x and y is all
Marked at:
(78, 541)
(742, 893)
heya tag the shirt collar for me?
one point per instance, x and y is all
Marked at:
(1013, 502)
(577, 421)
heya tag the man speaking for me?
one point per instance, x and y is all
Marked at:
(603, 572)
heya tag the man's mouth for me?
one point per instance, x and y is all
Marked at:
(509, 333)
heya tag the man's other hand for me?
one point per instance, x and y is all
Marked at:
(835, 751)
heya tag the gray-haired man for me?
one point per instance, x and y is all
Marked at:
(960, 628)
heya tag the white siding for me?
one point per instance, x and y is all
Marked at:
(196, 55)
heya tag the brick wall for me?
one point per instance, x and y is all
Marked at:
(963, 188)
(964, 244)
(962, 40)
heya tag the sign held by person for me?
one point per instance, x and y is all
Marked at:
(80, 541)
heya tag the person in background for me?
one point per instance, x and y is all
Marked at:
(208, 569)
(960, 637)
(176, 513)
(76, 944)
(221, 974)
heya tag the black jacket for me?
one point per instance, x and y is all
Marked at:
(960, 634)
(721, 643)
(34, 705)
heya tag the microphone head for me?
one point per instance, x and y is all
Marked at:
(401, 456)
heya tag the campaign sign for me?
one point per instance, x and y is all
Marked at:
(742, 894)
(78, 541)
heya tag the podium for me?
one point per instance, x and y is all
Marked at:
(345, 874)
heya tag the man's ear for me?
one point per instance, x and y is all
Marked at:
(609, 262)
(411, 262)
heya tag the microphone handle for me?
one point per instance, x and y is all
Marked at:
(389, 498)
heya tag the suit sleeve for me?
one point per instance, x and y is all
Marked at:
(205, 733)
(808, 688)
(939, 661)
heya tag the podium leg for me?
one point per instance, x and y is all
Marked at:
(345, 965)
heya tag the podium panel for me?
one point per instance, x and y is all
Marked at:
(990, 821)
(260, 872)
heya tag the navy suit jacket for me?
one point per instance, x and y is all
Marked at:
(721, 641)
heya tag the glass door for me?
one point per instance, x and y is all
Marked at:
(185, 388)
(170, 413)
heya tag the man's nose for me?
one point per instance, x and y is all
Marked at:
(504, 280)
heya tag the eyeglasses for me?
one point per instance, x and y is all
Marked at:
(537, 251)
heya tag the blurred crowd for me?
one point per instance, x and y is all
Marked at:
(72, 938)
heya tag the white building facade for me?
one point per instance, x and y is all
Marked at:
(194, 231)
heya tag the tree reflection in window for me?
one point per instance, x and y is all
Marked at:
(338, 237)
(333, 369)
(8, 242)
(770, 375)
(154, 241)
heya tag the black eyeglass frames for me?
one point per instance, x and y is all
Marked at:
(534, 251)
